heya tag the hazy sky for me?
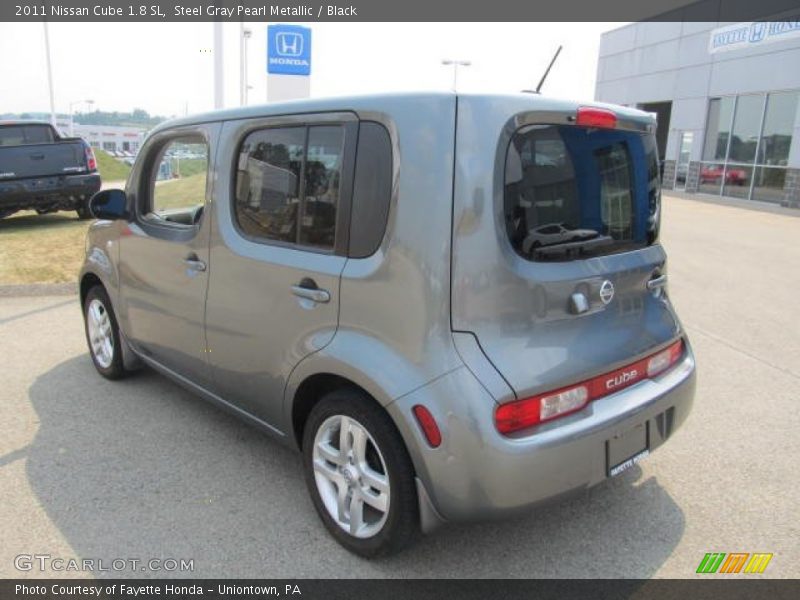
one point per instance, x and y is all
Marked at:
(165, 67)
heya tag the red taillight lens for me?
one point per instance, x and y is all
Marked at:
(428, 425)
(588, 116)
(91, 161)
(531, 411)
(528, 412)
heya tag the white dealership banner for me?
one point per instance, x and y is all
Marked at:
(750, 35)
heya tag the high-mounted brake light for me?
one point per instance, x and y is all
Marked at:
(521, 414)
(428, 425)
(588, 116)
(91, 161)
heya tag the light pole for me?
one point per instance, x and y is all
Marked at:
(49, 75)
(219, 66)
(72, 115)
(246, 34)
(455, 64)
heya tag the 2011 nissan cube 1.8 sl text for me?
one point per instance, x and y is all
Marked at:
(455, 306)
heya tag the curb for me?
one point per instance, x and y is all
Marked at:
(39, 289)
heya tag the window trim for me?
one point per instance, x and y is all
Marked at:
(146, 185)
(349, 124)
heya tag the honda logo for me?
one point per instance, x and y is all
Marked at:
(288, 44)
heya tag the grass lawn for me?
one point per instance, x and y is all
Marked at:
(110, 168)
(49, 248)
(41, 248)
(179, 193)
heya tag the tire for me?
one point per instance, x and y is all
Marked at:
(83, 211)
(386, 466)
(102, 334)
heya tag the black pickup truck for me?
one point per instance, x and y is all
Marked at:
(41, 170)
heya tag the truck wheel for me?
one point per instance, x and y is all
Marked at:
(359, 474)
(102, 334)
(83, 211)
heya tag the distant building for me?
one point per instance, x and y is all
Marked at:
(111, 138)
(726, 98)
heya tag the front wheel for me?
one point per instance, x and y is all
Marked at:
(359, 475)
(102, 334)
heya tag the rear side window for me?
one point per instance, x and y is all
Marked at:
(19, 135)
(287, 185)
(372, 189)
(572, 192)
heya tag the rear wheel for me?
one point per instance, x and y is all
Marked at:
(83, 210)
(359, 474)
(102, 334)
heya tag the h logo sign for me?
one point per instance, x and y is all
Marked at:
(288, 43)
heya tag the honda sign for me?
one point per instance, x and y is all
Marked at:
(288, 50)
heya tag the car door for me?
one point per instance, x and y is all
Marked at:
(278, 249)
(164, 254)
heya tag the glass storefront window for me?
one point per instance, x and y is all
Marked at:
(710, 178)
(737, 181)
(746, 127)
(720, 111)
(778, 125)
(768, 184)
(746, 145)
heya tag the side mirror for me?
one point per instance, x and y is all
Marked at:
(110, 204)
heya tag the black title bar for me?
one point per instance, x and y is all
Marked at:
(713, 588)
(395, 10)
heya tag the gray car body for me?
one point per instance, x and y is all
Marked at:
(443, 314)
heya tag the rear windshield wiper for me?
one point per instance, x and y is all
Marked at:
(577, 247)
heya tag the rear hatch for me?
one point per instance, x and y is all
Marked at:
(557, 269)
(25, 153)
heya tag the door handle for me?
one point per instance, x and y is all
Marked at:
(657, 282)
(308, 289)
(37, 156)
(194, 263)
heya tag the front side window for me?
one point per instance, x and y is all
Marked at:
(572, 192)
(178, 181)
(287, 184)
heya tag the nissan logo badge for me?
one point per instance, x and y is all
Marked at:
(607, 292)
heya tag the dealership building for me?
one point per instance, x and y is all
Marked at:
(111, 138)
(726, 99)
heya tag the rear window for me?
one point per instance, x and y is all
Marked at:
(572, 192)
(19, 135)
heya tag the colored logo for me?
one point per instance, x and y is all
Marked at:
(289, 44)
(288, 50)
(735, 562)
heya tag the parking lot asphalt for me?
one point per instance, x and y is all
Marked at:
(142, 469)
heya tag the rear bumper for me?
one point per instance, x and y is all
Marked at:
(477, 473)
(66, 190)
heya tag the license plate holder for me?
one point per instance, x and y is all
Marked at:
(626, 449)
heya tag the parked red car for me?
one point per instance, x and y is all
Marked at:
(713, 174)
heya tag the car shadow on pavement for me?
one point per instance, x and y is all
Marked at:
(142, 469)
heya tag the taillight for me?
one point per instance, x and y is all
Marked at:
(588, 116)
(91, 161)
(521, 414)
(428, 425)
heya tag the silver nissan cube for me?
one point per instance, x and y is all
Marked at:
(455, 306)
